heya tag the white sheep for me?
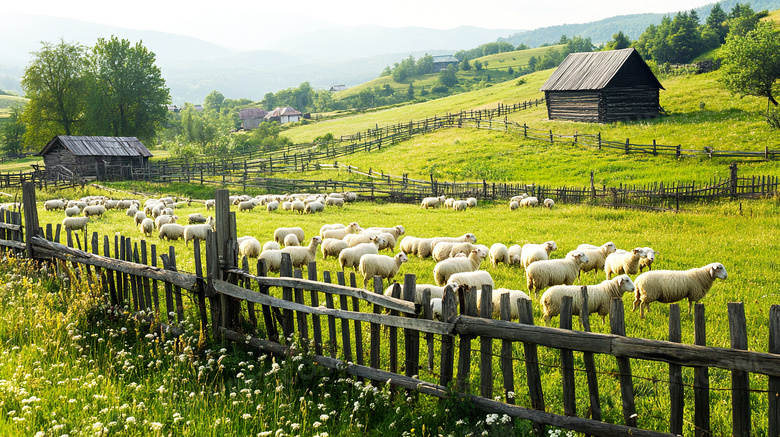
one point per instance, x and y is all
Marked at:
(271, 245)
(668, 286)
(515, 254)
(73, 211)
(425, 246)
(329, 227)
(247, 205)
(409, 245)
(599, 297)
(314, 207)
(131, 211)
(210, 203)
(139, 217)
(621, 261)
(513, 205)
(389, 241)
(471, 202)
(334, 201)
(597, 255)
(536, 252)
(545, 273)
(75, 223)
(298, 206)
(302, 256)
(164, 219)
(287, 206)
(436, 305)
(272, 206)
(432, 202)
(249, 248)
(436, 291)
(350, 257)
(648, 260)
(340, 233)
(371, 265)
(291, 240)
(198, 232)
(147, 226)
(280, 233)
(171, 231)
(396, 230)
(529, 201)
(498, 253)
(460, 205)
(332, 247)
(54, 204)
(97, 210)
(514, 295)
(549, 203)
(448, 203)
(444, 269)
(196, 218)
(475, 279)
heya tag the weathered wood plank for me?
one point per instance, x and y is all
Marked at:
(506, 353)
(567, 362)
(774, 382)
(676, 394)
(589, 360)
(740, 382)
(486, 345)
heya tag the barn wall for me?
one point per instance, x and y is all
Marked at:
(573, 105)
(624, 103)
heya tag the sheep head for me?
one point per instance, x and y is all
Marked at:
(400, 256)
(717, 271)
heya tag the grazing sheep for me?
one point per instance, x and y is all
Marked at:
(460, 205)
(271, 245)
(168, 211)
(514, 295)
(164, 219)
(334, 201)
(355, 239)
(330, 227)
(314, 207)
(196, 218)
(340, 233)
(444, 269)
(436, 304)
(171, 231)
(380, 265)
(545, 273)
(350, 257)
(536, 252)
(396, 230)
(332, 247)
(513, 205)
(350, 196)
(432, 202)
(599, 297)
(124, 204)
(668, 286)
(515, 254)
(291, 240)
(139, 217)
(298, 206)
(448, 203)
(426, 245)
(73, 211)
(549, 203)
(389, 241)
(409, 245)
(499, 253)
(54, 204)
(97, 210)
(287, 206)
(198, 232)
(436, 291)
(471, 202)
(210, 204)
(596, 255)
(272, 206)
(131, 211)
(621, 261)
(147, 226)
(249, 248)
(247, 205)
(529, 201)
(75, 223)
(280, 233)
(476, 279)
(302, 256)
(648, 260)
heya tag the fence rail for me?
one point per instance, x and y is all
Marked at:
(264, 312)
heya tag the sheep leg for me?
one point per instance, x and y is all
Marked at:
(637, 303)
(690, 304)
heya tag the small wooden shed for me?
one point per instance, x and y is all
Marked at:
(88, 157)
(602, 87)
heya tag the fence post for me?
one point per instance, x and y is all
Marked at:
(533, 377)
(567, 362)
(655, 151)
(618, 327)
(628, 149)
(486, 345)
(30, 208)
(676, 394)
(678, 152)
(733, 181)
(448, 315)
(506, 352)
(598, 138)
(588, 359)
(774, 382)
(701, 378)
(740, 382)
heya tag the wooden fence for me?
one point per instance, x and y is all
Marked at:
(345, 324)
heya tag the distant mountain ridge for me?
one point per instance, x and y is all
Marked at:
(632, 25)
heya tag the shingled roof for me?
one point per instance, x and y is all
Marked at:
(99, 146)
(247, 114)
(595, 70)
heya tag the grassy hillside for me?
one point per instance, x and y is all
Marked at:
(8, 101)
(516, 59)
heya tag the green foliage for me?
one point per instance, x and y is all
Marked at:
(485, 50)
(465, 65)
(303, 98)
(447, 77)
(716, 21)
(12, 132)
(478, 65)
(751, 63)
(619, 41)
(206, 132)
(213, 101)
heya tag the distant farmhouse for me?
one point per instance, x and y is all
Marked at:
(65, 156)
(252, 117)
(441, 62)
(284, 115)
(602, 87)
(335, 88)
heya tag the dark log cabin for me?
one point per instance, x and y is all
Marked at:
(602, 87)
(91, 157)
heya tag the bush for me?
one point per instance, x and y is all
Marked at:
(439, 89)
(773, 118)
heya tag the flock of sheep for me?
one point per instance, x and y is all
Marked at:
(458, 259)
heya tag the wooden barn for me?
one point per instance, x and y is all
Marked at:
(66, 157)
(602, 87)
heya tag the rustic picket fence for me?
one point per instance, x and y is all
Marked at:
(236, 305)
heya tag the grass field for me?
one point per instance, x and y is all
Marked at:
(740, 235)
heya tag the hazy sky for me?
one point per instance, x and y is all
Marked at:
(221, 21)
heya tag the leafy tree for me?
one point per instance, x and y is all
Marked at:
(577, 45)
(717, 22)
(12, 133)
(563, 39)
(742, 20)
(54, 84)
(126, 94)
(209, 132)
(410, 92)
(386, 72)
(477, 65)
(619, 41)
(522, 46)
(465, 65)
(751, 63)
(269, 101)
(425, 65)
(447, 77)
(213, 101)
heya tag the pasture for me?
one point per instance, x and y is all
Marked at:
(741, 236)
